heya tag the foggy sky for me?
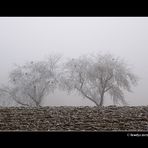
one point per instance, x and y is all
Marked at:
(25, 39)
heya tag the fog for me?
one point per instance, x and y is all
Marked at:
(25, 39)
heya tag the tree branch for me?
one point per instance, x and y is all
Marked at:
(5, 91)
(87, 96)
(32, 98)
(19, 102)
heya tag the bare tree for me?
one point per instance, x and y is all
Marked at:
(30, 83)
(94, 76)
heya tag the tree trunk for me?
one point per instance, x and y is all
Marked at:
(102, 99)
(37, 102)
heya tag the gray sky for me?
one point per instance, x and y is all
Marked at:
(33, 38)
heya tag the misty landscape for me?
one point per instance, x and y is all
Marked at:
(73, 74)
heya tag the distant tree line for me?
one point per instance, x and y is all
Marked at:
(92, 76)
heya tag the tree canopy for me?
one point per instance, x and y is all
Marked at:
(94, 76)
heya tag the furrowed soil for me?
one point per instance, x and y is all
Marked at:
(110, 118)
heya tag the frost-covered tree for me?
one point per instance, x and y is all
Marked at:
(94, 76)
(30, 83)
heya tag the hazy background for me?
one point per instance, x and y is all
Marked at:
(24, 39)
